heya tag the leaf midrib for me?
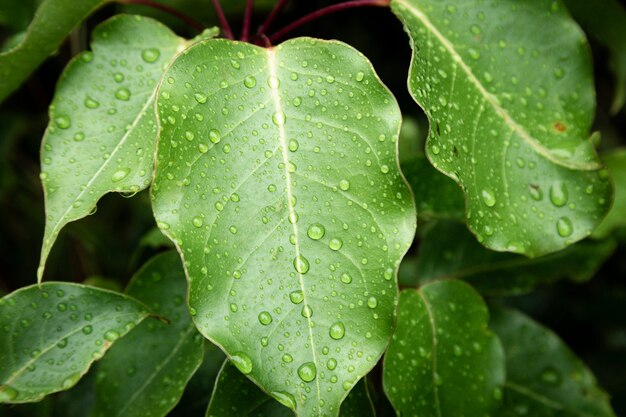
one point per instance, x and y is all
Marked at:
(431, 320)
(534, 143)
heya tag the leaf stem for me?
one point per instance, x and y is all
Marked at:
(228, 33)
(271, 17)
(245, 32)
(324, 11)
(174, 12)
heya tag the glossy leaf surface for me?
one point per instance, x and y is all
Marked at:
(278, 180)
(102, 122)
(544, 377)
(232, 386)
(53, 21)
(147, 371)
(443, 360)
(616, 163)
(509, 117)
(448, 250)
(50, 334)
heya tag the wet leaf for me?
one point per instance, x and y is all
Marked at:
(443, 360)
(232, 386)
(53, 21)
(102, 123)
(605, 20)
(147, 371)
(50, 335)
(436, 196)
(616, 163)
(277, 178)
(544, 377)
(448, 250)
(509, 118)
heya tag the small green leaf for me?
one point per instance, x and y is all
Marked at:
(500, 274)
(616, 163)
(605, 20)
(102, 122)
(277, 178)
(443, 360)
(51, 333)
(436, 196)
(544, 377)
(157, 359)
(53, 21)
(510, 100)
(234, 394)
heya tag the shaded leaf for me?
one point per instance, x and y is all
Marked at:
(235, 394)
(443, 360)
(278, 181)
(448, 250)
(146, 372)
(616, 163)
(544, 377)
(51, 334)
(509, 118)
(53, 21)
(605, 20)
(436, 196)
(102, 123)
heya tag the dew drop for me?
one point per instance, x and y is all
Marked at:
(265, 318)
(91, 103)
(197, 221)
(335, 243)
(564, 227)
(273, 82)
(344, 185)
(293, 145)
(63, 122)
(346, 278)
(150, 55)
(215, 136)
(337, 330)
(249, 81)
(316, 231)
(559, 194)
(307, 371)
(242, 362)
(120, 174)
(296, 297)
(307, 311)
(285, 399)
(535, 192)
(200, 98)
(7, 394)
(279, 118)
(111, 335)
(550, 376)
(287, 358)
(301, 264)
(203, 148)
(488, 198)
(372, 302)
(331, 364)
(123, 94)
(359, 76)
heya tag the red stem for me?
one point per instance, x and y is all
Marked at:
(187, 19)
(324, 11)
(245, 32)
(270, 19)
(222, 18)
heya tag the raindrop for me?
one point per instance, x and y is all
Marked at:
(197, 221)
(372, 302)
(564, 227)
(249, 81)
(296, 297)
(346, 278)
(335, 243)
(344, 185)
(293, 145)
(242, 362)
(150, 55)
(111, 335)
(279, 118)
(214, 136)
(307, 311)
(285, 399)
(63, 122)
(316, 231)
(331, 364)
(287, 358)
(7, 394)
(203, 148)
(91, 103)
(301, 264)
(123, 94)
(550, 376)
(265, 318)
(535, 192)
(488, 198)
(337, 330)
(307, 371)
(120, 174)
(273, 82)
(559, 194)
(359, 76)
(200, 98)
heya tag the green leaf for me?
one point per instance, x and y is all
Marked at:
(53, 21)
(51, 333)
(508, 92)
(500, 274)
(605, 20)
(544, 377)
(436, 196)
(443, 360)
(616, 163)
(146, 372)
(235, 394)
(102, 122)
(277, 178)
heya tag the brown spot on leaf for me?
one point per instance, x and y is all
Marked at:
(560, 127)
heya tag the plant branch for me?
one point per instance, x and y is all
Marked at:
(228, 33)
(324, 11)
(270, 19)
(245, 32)
(176, 13)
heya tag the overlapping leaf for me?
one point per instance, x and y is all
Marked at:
(443, 360)
(507, 88)
(448, 250)
(147, 371)
(616, 163)
(53, 21)
(102, 123)
(544, 377)
(277, 178)
(51, 333)
(235, 394)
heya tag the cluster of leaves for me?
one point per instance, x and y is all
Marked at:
(274, 172)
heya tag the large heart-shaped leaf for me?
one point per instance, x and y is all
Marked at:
(544, 377)
(53, 21)
(51, 333)
(500, 274)
(146, 372)
(443, 361)
(277, 178)
(235, 394)
(102, 122)
(507, 88)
